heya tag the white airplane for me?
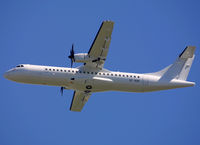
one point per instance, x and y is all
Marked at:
(93, 77)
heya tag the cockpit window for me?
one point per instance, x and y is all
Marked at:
(20, 66)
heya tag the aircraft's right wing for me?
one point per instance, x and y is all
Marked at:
(79, 100)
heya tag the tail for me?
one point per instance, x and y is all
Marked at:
(181, 67)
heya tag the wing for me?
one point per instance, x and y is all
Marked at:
(79, 100)
(99, 49)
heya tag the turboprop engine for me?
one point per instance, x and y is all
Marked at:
(79, 57)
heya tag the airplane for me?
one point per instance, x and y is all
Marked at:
(92, 77)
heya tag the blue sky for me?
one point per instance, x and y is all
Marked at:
(147, 36)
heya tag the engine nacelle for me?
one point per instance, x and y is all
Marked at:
(82, 57)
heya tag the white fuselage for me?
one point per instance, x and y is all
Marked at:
(86, 79)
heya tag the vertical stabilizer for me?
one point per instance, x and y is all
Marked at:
(181, 67)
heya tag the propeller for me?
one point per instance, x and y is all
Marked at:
(71, 56)
(61, 90)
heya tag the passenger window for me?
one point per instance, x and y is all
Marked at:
(138, 77)
(107, 74)
(115, 74)
(119, 75)
(45, 68)
(95, 72)
(91, 72)
(84, 72)
(103, 73)
(72, 71)
(76, 71)
(123, 75)
(64, 70)
(134, 76)
(88, 72)
(80, 72)
(131, 76)
(99, 73)
(57, 69)
(61, 70)
(126, 75)
(50, 69)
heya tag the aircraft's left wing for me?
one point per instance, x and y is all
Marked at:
(99, 49)
(79, 100)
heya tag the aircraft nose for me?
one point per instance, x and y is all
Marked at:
(6, 74)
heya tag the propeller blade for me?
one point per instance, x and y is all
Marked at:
(71, 56)
(71, 63)
(61, 90)
(72, 49)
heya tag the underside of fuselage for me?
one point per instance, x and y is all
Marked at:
(93, 83)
